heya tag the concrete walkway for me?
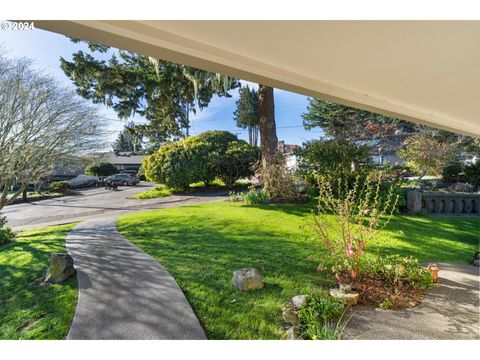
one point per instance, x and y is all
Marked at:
(449, 311)
(123, 292)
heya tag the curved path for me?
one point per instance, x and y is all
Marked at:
(123, 293)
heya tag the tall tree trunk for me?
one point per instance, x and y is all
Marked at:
(268, 129)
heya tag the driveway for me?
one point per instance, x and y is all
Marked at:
(88, 204)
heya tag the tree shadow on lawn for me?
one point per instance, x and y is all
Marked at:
(202, 251)
(300, 210)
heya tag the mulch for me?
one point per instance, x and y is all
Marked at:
(374, 291)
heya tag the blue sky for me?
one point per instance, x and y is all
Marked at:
(46, 48)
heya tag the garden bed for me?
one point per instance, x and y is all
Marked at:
(374, 291)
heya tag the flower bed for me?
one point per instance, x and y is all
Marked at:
(392, 282)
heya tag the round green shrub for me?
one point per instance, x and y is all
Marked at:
(58, 186)
(177, 165)
(101, 169)
(472, 173)
(452, 173)
(6, 233)
(332, 157)
(201, 158)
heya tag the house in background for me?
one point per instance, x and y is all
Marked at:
(387, 157)
(287, 150)
(66, 172)
(125, 161)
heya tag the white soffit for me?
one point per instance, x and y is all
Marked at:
(424, 71)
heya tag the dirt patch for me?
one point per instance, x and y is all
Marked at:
(375, 291)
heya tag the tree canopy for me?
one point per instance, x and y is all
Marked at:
(129, 140)
(41, 124)
(341, 122)
(162, 92)
(247, 115)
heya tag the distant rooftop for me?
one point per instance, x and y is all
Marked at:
(124, 159)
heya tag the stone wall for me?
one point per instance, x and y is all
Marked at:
(441, 203)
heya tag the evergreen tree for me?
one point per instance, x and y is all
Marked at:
(162, 92)
(247, 114)
(129, 140)
(349, 124)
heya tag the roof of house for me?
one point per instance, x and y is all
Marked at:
(125, 159)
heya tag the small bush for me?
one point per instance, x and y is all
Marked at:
(101, 169)
(452, 173)
(331, 157)
(255, 196)
(472, 173)
(320, 318)
(58, 187)
(277, 180)
(6, 233)
(235, 197)
(399, 272)
(348, 218)
(460, 173)
(158, 191)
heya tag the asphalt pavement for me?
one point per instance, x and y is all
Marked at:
(89, 204)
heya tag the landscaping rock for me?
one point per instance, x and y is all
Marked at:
(299, 300)
(290, 316)
(345, 287)
(351, 298)
(293, 333)
(247, 279)
(61, 268)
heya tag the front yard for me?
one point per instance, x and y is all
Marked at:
(28, 309)
(202, 245)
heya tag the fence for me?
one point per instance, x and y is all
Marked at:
(440, 203)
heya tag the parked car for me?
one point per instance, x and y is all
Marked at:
(133, 173)
(122, 179)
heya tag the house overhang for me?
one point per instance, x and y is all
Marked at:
(427, 72)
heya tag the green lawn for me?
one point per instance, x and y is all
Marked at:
(29, 310)
(202, 245)
(216, 185)
(156, 192)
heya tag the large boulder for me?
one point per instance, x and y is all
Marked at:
(61, 268)
(247, 279)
